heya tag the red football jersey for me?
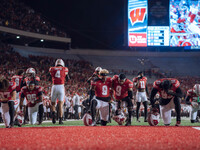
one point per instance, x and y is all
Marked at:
(28, 79)
(17, 79)
(193, 96)
(142, 82)
(31, 96)
(121, 90)
(7, 93)
(175, 84)
(58, 74)
(102, 89)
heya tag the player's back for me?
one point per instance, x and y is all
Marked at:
(58, 74)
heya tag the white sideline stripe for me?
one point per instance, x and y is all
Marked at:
(197, 128)
(2, 124)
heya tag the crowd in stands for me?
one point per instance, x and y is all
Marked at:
(15, 14)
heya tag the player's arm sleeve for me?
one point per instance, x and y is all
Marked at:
(23, 83)
(67, 78)
(21, 100)
(13, 95)
(130, 93)
(187, 100)
(153, 93)
(178, 93)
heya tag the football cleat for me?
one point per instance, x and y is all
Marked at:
(128, 123)
(60, 120)
(94, 123)
(178, 123)
(54, 119)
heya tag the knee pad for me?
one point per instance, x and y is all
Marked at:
(192, 121)
(103, 123)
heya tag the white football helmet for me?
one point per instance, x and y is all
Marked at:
(98, 69)
(30, 71)
(153, 117)
(87, 119)
(60, 62)
(196, 89)
(120, 119)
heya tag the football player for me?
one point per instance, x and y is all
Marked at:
(34, 96)
(94, 77)
(17, 79)
(140, 83)
(58, 74)
(7, 97)
(192, 99)
(31, 76)
(123, 89)
(101, 88)
(95, 74)
(170, 95)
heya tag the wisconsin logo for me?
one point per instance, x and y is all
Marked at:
(137, 15)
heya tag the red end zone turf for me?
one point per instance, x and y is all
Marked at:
(110, 137)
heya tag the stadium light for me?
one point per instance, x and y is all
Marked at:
(18, 37)
(41, 40)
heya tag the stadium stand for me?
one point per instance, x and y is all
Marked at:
(17, 15)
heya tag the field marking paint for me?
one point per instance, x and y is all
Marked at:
(198, 128)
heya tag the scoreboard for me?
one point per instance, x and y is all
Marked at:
(174, 23)
(158, 36)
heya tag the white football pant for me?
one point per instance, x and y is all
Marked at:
(32, 113)
(195, 108)
(103, 109)
(57, 92)
(165, 111)
(141, 97)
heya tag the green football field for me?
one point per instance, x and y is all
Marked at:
(184, 122)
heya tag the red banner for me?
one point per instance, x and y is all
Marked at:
(138, 39)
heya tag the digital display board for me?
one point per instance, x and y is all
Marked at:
(137, 23)
(174, 23)
(185, 23)
(158, 36)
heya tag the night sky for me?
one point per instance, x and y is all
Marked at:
(99, 24)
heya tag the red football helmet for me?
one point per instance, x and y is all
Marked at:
(153, 117)
(87, 119)
(120, 119)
